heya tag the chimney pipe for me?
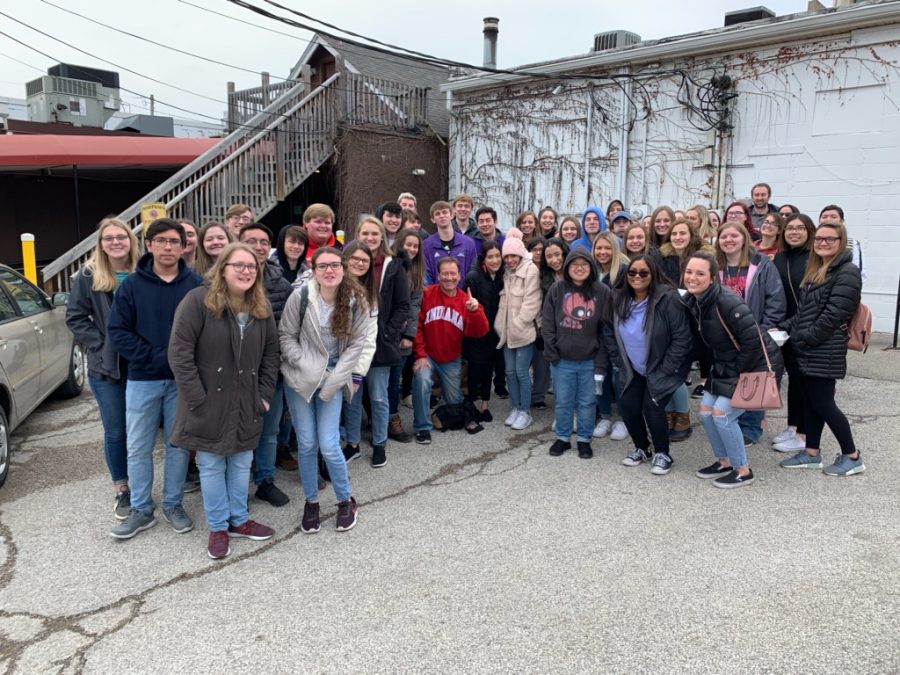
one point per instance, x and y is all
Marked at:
(490, 41)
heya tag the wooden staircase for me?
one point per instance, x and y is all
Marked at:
(267, 156)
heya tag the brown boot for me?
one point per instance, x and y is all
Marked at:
(681, 430)
(284, 460)
(670, 420)
(396, 432)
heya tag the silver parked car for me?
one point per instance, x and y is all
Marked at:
(38, 354)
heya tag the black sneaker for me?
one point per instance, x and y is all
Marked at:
(714, 470)
(584, 450)
(748, 442)
(268, 492)
(310, 522)
(662, 464)
(636, 457)
(379, 458)
(733, 480)
(502, 393)
(423, 437)
(346, 515)
(192, 479)
(486, 416)
(559, 447)
(698, 391)
(351, 452)
(540, 405)
(123, 504)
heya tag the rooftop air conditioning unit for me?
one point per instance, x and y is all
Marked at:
(83, 97)
(615, 39)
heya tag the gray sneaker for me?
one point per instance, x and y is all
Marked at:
(178, 518)
(844, 466)
(123, 504)
(137, 521)
(802, 460)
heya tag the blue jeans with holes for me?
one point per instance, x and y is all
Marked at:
(449, 374)
(377, 382)
(224, 481)
(316, 423)
(723, 431)
(145, 402)
(351, 418)
(265, 451)
(573, 390)
(518, 379)
(110, 397)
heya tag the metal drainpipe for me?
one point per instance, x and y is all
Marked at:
(643, 193)
(623, 143)
(721, 168)
(588, 137)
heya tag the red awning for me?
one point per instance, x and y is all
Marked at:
(54, 150)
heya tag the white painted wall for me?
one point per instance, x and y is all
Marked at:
(819, 121)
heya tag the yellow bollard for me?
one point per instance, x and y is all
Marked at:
(28, 259)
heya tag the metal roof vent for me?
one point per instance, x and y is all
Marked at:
(615, 39)
(749, 14)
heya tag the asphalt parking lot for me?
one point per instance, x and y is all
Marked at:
(475, 554)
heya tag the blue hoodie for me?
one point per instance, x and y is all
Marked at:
(141, 316)
(585, 241)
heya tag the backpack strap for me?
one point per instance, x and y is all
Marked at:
(304, 302)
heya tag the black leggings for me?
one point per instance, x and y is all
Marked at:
(639, 412)
(796, 402)
(480, 377)
(821, 409)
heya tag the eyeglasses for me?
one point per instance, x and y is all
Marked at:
(163, 242)
(795, 228)
(265, 243)
(359, 261)
(826, 240)
(771, 223)
(643, 274)
(109, 238)
(734, 213)
(321, 267)
(243, 267)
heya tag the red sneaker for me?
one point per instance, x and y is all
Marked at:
(218, 546)
(251, 530)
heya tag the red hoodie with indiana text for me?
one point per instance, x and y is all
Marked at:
(443, 323)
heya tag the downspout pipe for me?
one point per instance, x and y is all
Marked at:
(625, 131)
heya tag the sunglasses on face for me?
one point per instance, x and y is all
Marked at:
(643, 274)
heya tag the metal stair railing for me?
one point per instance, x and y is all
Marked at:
(287, 141)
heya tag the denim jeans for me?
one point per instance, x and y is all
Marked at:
(110, 397)
(377, 382)
(679, 401)
(264, 454)
(541, 369)
(723, 431)
(518, 379)
(751, 424)
(449, 374)
(573, 389)
(316, 423)
(284, 429)
(394, 387)
(145, 402)
(351, 418)
(224, 481)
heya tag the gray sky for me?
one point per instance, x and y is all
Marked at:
(530, 31)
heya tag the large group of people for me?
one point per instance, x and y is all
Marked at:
(254, 350)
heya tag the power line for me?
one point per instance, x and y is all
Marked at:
(244, 23)
(143, 38)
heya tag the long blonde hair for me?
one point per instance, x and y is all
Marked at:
(102, 272)
(218, 298)
(203, 262)
(383, 249)
(706, 231)
(618, 258)
(816, 267)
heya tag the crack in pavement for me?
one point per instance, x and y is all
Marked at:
(13, 650)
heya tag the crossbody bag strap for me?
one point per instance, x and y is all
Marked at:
(735, 343)
(722, 321)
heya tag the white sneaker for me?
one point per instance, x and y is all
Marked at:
(791, 445)
(407, 402)
(619, 431)
(785, 435)
(602, 428)
(523, 421)
(513, 414)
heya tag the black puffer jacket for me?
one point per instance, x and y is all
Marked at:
(728, 361)
(670, 345)
(393, 310)
(487, 291)
(86, 316)
(278, 289)
(791, 266)
(819, 328)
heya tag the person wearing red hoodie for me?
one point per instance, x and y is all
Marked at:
(318, 221)
(447, 316)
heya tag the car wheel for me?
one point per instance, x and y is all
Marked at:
(74, 385)
(4, 447)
